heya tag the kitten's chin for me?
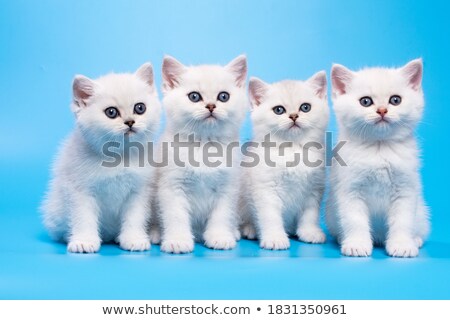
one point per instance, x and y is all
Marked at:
(293, 129)
(292, 133)
(381, 130)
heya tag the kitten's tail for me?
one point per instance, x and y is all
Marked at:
(53, 216)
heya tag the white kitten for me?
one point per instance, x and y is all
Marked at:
(285, 199)
(198, 202)
(88, 202)
(377, 198)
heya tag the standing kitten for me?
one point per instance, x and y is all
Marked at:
(198, 202)
(377, 198)
(88, 202)
(285, 199)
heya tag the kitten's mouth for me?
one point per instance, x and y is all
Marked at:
(294, 126)
(210, 117)
(130, 132)
(381, 120)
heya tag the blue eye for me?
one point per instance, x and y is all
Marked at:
(305, 107)
(112, 112)
(223, 96)
(139, 108)
(395, 100)
(194, 96)
(279, 110)
(366, 101)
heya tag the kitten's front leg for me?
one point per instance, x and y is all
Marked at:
(221, 228)
(133, 231)
(84, 235)
(400, 240)
(177, 236)
(353, 216)
(269, 218)
(308, 228)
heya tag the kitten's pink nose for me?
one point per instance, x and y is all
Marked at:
(210, 107)
(129, 123)
(293, 116)
(382, 111)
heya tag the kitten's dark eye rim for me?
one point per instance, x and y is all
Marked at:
(194, 96)
(112, 112)
(279, 110)
(139, 108)
(305, 107)
(366, 101)
(223, 96)
(395, 100)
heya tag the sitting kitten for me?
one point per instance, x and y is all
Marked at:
(88, 202)
(285, 199)
(377, 198)
(208, 103)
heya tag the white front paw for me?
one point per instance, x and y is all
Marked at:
(134, 242)
(177, 245)
(155, 235)
(220, 240)
(419, 242)
(84, 246)
(248, 231)
(402, 248)
(357, 248)
(237, 234)
(274, 242)
(311, 234)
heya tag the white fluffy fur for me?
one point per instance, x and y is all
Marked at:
(281, 201)
(88, 203)
(198, 203)
(377, 198)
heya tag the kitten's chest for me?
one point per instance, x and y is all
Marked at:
(202, 155)
(112, 191)
(292, 157)
(380, 175)
(203, 181)
(292, 184)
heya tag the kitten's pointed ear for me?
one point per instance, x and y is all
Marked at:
(171, 71)
(413, 72)
(239, 68)
(340, 78)
(257, 90)
(319, 83)
(83, 88)
(145, 72)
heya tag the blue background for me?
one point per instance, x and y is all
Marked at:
(43, 44)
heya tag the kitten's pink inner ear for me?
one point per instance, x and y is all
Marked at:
(172, 69)
(340, 78)
(145, 72)
(239, 68)
(83, 88)
(257, 90)
(413, 72)
(319, 82)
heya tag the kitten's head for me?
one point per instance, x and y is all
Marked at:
(207, 100)
(290, 110)
(117, 105)
(378, 103)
